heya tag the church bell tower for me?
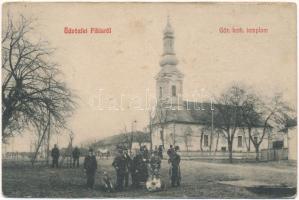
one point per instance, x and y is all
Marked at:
(169, 81)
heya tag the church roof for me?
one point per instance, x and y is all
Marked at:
(168, 72)
(191, 114)
(194, 113)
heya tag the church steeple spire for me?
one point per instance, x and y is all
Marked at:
(169, 81)
(168, 46)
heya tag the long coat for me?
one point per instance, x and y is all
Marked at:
(90, 164)
(55, 153)
(119, 164)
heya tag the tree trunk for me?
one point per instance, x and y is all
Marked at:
(230, 151)
(7, 114)
(257, 158)
(201, 138)
(151, 140)
(211, 142)
(38, 145)
(48, 142)
(173, 135)
(162, 136)
(151, 131)
(216, 146)
(249, 145)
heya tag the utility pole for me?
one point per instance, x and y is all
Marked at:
(212, 127)
(131, 138)
(173, 137)
(72, 135)
(150, 131)
(131, 142)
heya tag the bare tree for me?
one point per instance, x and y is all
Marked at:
(217, 141)
(202, 131)
(187, 138)
(141, 138)
(246, 141)
(127, 138)
(252, 119)
(31, 90)
(161, 115)
(150, 127)
(227, 114)
(265, 114)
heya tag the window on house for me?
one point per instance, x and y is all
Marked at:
(160, 92)
(277, 145)
(173, 89)
(223, 149)
(240, 144)
(206, 140)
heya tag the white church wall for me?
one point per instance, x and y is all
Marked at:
(162, 89)
(193, 141)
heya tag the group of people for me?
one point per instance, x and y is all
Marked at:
(144, 165)
(140, 167)
(134, 166)
(55, 153)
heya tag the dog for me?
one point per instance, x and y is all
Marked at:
(108, 186)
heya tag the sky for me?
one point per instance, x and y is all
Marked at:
(121, 66)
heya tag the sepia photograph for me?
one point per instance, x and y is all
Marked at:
(149, 100)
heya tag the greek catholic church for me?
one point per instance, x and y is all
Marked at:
(185, 123)
(177, 122)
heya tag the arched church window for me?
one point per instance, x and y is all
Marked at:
(173, 89)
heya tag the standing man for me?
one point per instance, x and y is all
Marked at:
(135, 170)
(55, 156)
(90, 167)
(170, 151)
(76, 156)
(119, 165)
(175, 168)
(128, 161)
(160, 151)
(146, 153)
(143, 165)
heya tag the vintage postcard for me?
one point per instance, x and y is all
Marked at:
(149, 100)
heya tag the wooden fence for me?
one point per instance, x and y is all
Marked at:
(220, 155)
(274, 154)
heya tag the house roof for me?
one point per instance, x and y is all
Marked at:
(290, 123)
